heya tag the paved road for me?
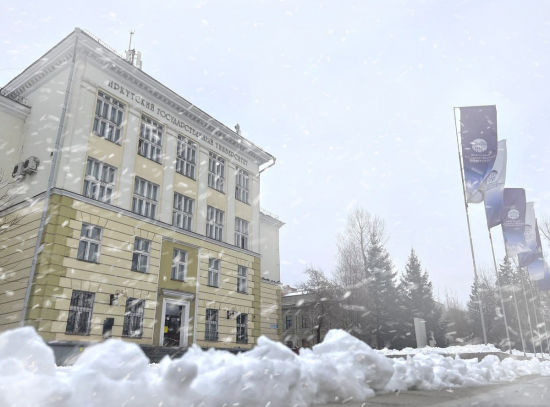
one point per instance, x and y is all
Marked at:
(528, 391)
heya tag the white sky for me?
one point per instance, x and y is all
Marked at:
(354, 98)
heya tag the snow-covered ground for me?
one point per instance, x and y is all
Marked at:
(428, 350)
(342, 368)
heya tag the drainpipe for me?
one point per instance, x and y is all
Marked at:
(38, 248)
(197, 285)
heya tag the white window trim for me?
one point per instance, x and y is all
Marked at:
(141, 253)
(242, 185)
(145, 199)
(87, 190)
(214, 272)
(216, 172)
(152, 150)
(242, 278)
(176, 263)
(242, 228)
(89, 241)
(213, 227)
(98, 118)
(182, 213)
(184, 166)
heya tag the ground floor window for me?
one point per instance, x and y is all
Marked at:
(133, 318)
(80, 313)
(242, 328)
(211, 328)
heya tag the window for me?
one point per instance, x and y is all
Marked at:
(109, 114)
(133, 318)
(241, 233)
(216, 172)
(140, 259)
(183, 212)
(214, 223)
(80, 313)
(179, 265)
(242, 186)
(242, 329)
(186, 157)
(145, 198)
(288, 323)
(305, 321)
(150, 139)
(211, 328)
(90, 243)
(99, 182)
(214, 272)
(242, 280)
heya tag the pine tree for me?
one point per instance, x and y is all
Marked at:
(508, 281)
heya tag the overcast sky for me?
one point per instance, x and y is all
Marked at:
(354, 98)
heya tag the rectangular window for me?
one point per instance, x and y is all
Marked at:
(242, 186)
(99, 182)
(183, 212)
(145, 198)
(179, 265)
(242, 280)
(242, 328)
(90, 243)
(241, 233)
(150, 139)
(216, 172)
(109, 116)
(211, 328)
(288, 323)
(186, 157)
(80, 313)
(133, 318)
(142, 252)
(214, 223)
(305, 321)
(214, 272)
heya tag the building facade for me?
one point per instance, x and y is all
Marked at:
(130, 212)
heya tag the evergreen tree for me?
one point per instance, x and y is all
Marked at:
(508, 280)
(417, 301)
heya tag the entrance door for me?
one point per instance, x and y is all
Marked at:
(173, 324)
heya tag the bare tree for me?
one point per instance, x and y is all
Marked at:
(544, 228)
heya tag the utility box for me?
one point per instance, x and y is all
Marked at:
(420, 330)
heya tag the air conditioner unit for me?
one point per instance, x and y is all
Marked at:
(17, 170)
(30, 165)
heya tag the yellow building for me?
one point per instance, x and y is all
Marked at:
(130, 212)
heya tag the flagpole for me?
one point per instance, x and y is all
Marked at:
(519, 320)
(528, 313)
(544, 320)
(500, 293)
(470, 231)
(536, 316)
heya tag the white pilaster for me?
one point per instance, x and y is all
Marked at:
(255, 202)
(168, 179)
(203, 189)
(129, 152)
(230, 216)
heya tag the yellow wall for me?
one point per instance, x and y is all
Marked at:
(271, 310)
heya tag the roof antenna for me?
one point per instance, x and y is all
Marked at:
(132, 56)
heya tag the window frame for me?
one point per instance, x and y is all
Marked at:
(242, 229)
(141, 253)
(242, 279)
(138, 305)
(89, 241)
(150, 142)
(288, 319)
(177, 262)
(214, 273)
(211, 320)
(101, 118)
(149, 205)
(214, 226)
(242, 326)
(216, 172)
(77, 311)
(305, 321)
(185, 216)
(90, 181)
(242, 185)
(186, 157)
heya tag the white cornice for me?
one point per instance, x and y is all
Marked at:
(106, 59)
(270, 220)
(13, 108)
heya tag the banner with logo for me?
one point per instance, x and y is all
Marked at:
(544, 284)
(524, 259)
(513, 221)
(535, 258)
(493, 187)
(478, 138)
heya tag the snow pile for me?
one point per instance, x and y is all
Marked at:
(442, 351)
(341, 369)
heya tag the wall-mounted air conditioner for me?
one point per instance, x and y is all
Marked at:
(30, 165)
(17, 170)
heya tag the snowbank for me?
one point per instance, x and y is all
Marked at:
(441, 351)
(340, 369)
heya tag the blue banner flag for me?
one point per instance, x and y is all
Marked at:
(478, 138)
(534, 260)
(513, 221)
(493, 187)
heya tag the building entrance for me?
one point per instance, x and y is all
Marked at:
(173, 324)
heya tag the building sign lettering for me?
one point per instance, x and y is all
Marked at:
(175, 121)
